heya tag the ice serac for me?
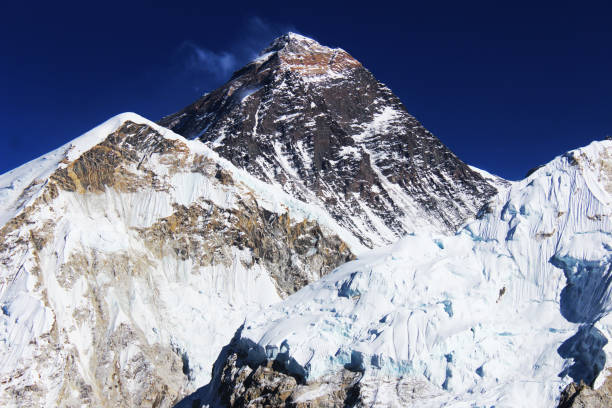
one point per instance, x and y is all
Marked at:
(508, 312)
(123, 250)
(314, 121)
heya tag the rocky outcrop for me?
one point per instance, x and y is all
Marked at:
(294, 253)
(238, 381)
(269, 384)
(583, 396)
(313, 120)
(108, 164)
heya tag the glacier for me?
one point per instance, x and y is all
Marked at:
(504, 313)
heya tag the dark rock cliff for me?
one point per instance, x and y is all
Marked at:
(315, 121)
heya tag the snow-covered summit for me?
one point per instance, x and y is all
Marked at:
(307, 58)
(291, 38)
(505, 313)
(293, 43)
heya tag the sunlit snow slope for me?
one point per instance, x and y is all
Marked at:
(124, 250)
(505, 313)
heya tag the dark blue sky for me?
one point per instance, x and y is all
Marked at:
(506, 85)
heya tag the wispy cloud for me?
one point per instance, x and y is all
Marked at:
(260, 33)
(199, 59)
(212, 66)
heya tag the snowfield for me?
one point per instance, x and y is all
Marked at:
(505, 313)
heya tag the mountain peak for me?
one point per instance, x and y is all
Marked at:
(290, 39)
(313, 120)
(306, 56)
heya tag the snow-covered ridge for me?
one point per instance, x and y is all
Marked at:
(499, 182)
(19, 187)
(296, 40)
(102, 289)
(505, 313)
(13, 198)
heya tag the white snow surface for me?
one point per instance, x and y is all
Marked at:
(498, 182)
(480, 318)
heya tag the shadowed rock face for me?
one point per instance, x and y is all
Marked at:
(268, 384)
(315, 121)
(239, 380)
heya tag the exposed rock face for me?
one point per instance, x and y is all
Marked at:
(108, 164)
(295, 254)
(238, 382)
(129, 254)
(315, 121)
(583, 396)
(268, 384)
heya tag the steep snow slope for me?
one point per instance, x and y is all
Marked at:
(499, 183)
(505, 313)
(312, 120)
(122, 251)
